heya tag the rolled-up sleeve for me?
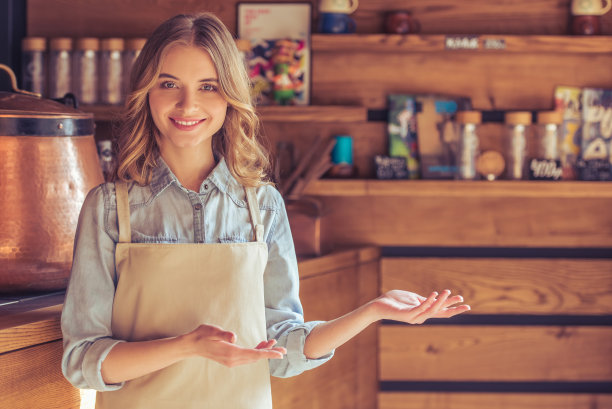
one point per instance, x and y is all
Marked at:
(284, 314)
(86, 315)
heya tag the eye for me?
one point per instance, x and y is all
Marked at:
(209, 87)
(168, 85)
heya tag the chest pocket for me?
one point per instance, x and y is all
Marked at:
(138, 237)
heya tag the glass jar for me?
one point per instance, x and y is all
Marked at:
(60, 67)
(545, 163)
(467, 123)
(86, 70)
(133, 46)
(33, 64)
(517, 127)
(111, 71)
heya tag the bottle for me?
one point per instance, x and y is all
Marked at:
(467, 131)
(86, 70)
(517, 127)
(33, 64)
(545, 163)
(132, 51)
(111, 71)
(60, 67)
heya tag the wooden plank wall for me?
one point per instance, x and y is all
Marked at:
(536, 326)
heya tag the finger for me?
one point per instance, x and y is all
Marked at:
(425, 305)
(455, 299)
(222, 335)
(266, 344)
(433, 309)
(451, 312)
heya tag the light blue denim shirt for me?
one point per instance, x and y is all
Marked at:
(166, 212)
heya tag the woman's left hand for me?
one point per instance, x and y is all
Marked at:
(413, 308)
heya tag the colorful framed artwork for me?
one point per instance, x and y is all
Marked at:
(279, 56)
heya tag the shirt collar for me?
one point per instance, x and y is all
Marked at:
(221, 177)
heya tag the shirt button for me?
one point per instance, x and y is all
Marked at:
(205, 187)
(198, 207)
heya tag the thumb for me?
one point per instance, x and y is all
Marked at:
(222, 335)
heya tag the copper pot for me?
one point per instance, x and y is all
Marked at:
(48, 163)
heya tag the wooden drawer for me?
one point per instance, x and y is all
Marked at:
(509, 286)
(420, 400)
(495, 353)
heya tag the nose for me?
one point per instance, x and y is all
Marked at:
(187, 100)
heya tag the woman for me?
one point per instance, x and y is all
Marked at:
(184, 285)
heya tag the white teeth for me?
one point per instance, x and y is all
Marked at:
(186, 123)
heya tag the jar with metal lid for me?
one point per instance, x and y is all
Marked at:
(517, 128)
(111, 71)
(133, 46)
(545, 163)
(60, 67)
(86, 70)
(33, 64)
(467, 123)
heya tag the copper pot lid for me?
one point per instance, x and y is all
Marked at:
(23, 113)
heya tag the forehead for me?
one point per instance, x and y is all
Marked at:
(186, 61)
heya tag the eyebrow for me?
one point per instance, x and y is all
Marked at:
(164, 75)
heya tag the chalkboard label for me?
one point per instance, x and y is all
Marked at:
(461, 43)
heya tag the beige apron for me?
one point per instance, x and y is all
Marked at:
(166, 290)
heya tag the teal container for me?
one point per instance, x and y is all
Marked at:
(343, 150)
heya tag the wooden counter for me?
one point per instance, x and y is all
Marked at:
(31, 346)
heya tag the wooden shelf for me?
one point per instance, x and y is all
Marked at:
(437, 43)
(307, 113)
(456, 188)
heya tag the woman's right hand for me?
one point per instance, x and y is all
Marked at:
(212, 342)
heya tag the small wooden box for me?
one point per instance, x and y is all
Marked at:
(308, 227)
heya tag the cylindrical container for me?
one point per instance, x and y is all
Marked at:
(111, 71)
(516, 133)
(342, 157)
(131, 52)
(545, 163)
(86, 70)
(60, 67)
(547, 134)
(33, 64)
(49, 163)
(467, 131)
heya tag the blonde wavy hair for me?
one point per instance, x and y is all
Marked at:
(239, 140)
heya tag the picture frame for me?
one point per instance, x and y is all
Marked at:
(279, 58)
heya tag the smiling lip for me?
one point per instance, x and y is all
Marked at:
(186, 124)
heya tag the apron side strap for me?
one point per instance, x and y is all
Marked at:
(123, 212)
(255, 213)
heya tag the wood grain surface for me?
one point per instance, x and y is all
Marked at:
(509, 286)
(422, 400)
(495, 353)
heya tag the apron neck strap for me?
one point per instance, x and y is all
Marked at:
(255, 213)
(123, 212)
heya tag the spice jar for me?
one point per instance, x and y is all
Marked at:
(60, 67)
(132, 51)
(517, 126)
(34, 71)
(545, 163)
(467, 132)
(111, 69)
(86, 70)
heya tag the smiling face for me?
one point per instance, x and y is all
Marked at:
(185, 102)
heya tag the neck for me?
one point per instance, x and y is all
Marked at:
(190, 168)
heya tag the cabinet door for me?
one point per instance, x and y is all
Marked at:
(334, 384)
(31, 378)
